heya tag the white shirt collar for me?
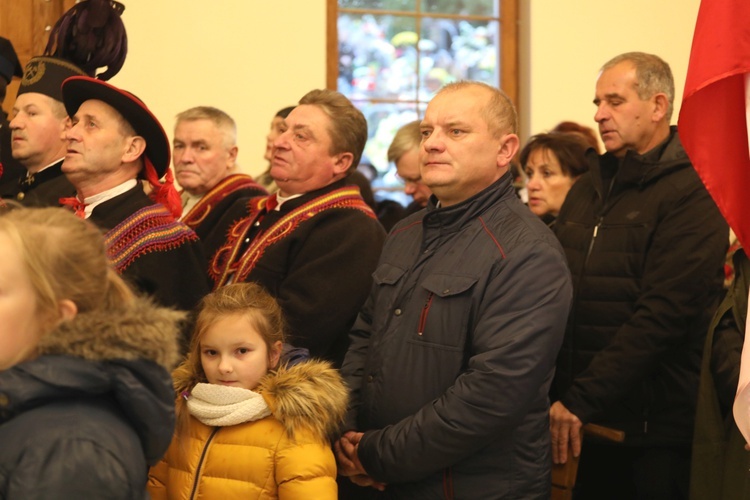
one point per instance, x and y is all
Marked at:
(98, 199)
(188, 202)
(283, 199)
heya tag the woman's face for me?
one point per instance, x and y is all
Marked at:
(273, 133)
(20, 329)
(547, 184)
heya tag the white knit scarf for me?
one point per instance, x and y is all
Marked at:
(220, 405)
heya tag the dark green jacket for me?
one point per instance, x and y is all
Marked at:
(720, 462)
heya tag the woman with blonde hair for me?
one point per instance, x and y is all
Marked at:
(85, 399)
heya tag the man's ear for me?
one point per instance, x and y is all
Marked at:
(135, 147)
(660, 106)
(342, 163)
(508, 148)
(233, 156)
(67, 309)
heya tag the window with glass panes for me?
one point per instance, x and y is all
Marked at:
(389, 57)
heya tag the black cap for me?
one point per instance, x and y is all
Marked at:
(79, 89)
(9, 65)
(45, 75)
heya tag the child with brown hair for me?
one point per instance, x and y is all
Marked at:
(247, 428)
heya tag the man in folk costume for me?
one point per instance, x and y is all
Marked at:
(204, 155)
(113, 143)
(87, 37)
(36, 132)
(314, 244)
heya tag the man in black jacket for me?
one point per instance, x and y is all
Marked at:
(452, 356)
(645, 243)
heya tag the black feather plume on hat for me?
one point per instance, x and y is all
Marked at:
(91, 35)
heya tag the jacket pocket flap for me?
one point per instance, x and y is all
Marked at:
(387, 274)
(444, 285)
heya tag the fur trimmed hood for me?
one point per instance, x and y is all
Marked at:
(309, 395)
(121, 357)
(142, 331)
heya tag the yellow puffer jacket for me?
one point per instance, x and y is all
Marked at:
(286, 455)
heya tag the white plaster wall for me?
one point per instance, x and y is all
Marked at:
(253, 57)
(249, 58)
(564, 43)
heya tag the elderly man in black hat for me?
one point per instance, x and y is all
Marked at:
(112, 143)
(10, 170)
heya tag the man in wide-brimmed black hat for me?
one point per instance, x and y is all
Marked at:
(113, 143)
(88, 37)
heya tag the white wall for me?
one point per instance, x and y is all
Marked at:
(564, 43)
(249, 58)
(253, 57)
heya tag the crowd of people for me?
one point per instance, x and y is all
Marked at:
(269, 338)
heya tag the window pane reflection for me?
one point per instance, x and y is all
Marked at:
(462, 7)
(407, 5)
(457, 50)
(377, 57)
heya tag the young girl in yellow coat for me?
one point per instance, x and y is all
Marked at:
(244, 428)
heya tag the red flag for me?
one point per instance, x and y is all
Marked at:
(713, 121)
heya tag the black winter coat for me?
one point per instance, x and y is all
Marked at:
(647, 260)
(87, 417)
(452, 356)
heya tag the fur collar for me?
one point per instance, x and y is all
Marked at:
(142, 331)
(309, 395)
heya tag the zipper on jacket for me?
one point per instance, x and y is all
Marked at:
(573, 320)
(423, 315)
(198, 469)
(593, 239)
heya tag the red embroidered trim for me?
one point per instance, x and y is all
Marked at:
(213, 197)
(227, 262)
(150, 229)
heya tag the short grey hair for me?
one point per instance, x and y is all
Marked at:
(222, 120)
(653, 75)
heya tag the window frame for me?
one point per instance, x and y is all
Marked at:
(508, 38)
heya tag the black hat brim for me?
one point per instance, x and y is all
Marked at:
(78, 89)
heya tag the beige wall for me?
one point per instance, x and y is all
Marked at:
(247, 57)
(563, 45)
(253, 57)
